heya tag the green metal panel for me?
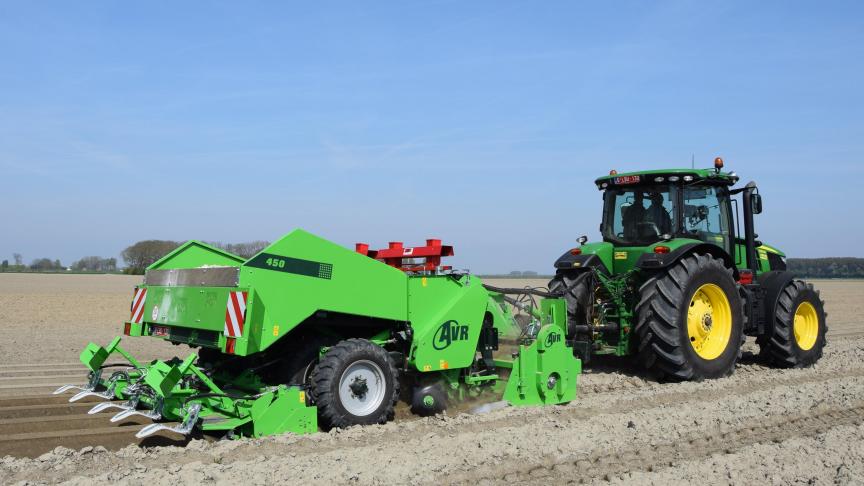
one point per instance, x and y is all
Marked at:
(302, 273)
(761, 256)
(771, 249)
(446, 314)
(624, 258)
(603, 250)
(193, 254)
(545, 371)
(284, 411)
(740, 255)
(192, 307)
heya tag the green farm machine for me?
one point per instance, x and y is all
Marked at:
(310, 334)
(678, 285)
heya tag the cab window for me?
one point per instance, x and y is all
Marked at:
(637, 216)
(706, 215)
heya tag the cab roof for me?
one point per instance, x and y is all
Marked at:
(648, 177)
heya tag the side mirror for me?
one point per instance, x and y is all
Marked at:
(756, 203)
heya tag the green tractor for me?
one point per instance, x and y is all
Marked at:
(678, 285)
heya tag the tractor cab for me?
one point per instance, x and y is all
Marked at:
(644, 209)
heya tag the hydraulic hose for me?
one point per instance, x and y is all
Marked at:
(524, 291)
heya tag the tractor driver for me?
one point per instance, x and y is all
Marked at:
(657, 214)
(631, 216)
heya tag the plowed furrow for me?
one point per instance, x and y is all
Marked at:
(648, 457)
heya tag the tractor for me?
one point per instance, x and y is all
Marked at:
(676, 284)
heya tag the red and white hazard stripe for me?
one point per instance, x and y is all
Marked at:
(235, 314)
(138, 305)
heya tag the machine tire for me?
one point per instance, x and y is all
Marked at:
(574, 288)
(667, 309)
(302, 358)
(429, 400)
(361, 360)
(787, 348)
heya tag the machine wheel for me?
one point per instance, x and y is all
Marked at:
(799, 327)
(355, 383)
(690, 320)
(574, 288)
(428, 400)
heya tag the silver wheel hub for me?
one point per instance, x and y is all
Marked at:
(362, 388)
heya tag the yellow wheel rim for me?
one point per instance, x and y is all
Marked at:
(806, 326)
(709, 321)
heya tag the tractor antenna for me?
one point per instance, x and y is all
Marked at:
(692, 161)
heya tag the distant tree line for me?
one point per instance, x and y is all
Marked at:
(37, 265)
(95, 264)
(245, 250)
(142, 254)
(137, 257)
(827, 267)
(526, 273)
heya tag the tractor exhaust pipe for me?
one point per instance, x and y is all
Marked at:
(749, 231)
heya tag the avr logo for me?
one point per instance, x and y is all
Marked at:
(552, 338)
(447, 333)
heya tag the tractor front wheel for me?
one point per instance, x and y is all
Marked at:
(799, 328)
(690, 320)
(355, 383)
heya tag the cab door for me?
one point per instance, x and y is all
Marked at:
(706, 215)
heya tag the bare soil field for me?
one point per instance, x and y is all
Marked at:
(761, 425)
(50, 318)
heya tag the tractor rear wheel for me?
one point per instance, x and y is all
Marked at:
(799, 327)
(355, 383)
(690, 320)
(574, 288)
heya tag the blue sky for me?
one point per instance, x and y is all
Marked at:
(482, 123)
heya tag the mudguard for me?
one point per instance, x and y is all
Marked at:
(657, 261)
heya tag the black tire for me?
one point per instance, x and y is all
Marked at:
(303, 354)
(782, 348)
(661, 330)
(429, 400)
(326, 376)
(574, 288)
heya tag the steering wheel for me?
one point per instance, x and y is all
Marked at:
(652, 229)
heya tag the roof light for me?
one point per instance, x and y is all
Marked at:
(718, 163)
(688, 178)
(674, 178)
(658, 179)
(613, 172)
(661, 250)
(604, 185)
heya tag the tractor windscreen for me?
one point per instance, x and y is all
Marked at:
(639, 215)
